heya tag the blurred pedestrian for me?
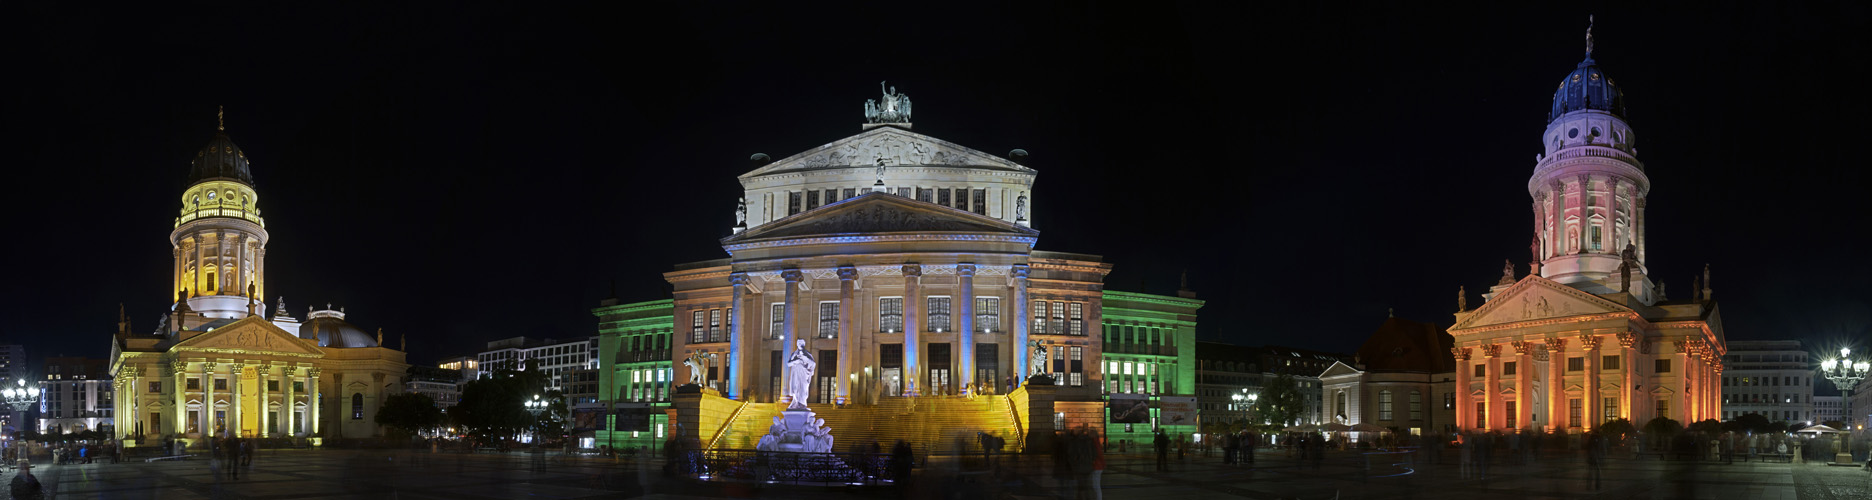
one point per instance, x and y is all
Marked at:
(1162, 443)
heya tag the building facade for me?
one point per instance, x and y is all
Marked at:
(558, 359)
(217, 364)
(1226, 376)
(1771, 378)
(442, 385)
(75, 396)
(635, 376)
(1588, 336)
(1402, 379)
(1149, 347)
(12, 367)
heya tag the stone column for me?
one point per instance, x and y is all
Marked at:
(176, 283)
(201, 260)
(913, 329)
(1585, 217)
(1465, 409)
(848, 280)
(240, 263)
(737, 321)
(265, 375)
(178, 387)
(1612, 211)
(286, 400)
(207, 385)
(260, 273)
(789, 321)
(1023, 312)
(220, 259)
(1590, 398)
(1556, 383)
(1524, 384)
(234, 398)
(1683, 365)
(1491, 389)
(1638, 228)
(1716, 399)
(312, 402)
(1557, 219)
(965, 277)
(1629, 359)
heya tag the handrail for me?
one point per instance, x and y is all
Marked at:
(1020, 433)
(723, 431)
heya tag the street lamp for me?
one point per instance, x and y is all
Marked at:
(1845, 373)
(535, 406)
(20, 398)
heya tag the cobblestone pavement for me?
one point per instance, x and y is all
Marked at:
(297, 474)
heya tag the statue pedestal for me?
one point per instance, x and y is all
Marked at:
(797, 431)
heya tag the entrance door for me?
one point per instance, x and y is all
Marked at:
(890, 374)
(939, 380)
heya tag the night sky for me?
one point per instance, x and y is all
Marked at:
(463, 174)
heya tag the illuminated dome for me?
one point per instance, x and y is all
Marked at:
(1587, 87)
(331, 330)
(220, 159)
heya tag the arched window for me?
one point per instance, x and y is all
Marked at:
(357, 406)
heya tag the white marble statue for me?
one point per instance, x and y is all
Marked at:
(799, 374)
(695, 369)
(1020, 208)
(1039, 359)
(740, 212)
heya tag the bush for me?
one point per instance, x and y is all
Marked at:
(1616, 429)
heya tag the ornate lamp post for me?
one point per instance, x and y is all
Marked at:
(1845, 373)
(535, 406)
(20, 398)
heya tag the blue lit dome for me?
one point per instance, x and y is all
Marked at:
(1587, 88)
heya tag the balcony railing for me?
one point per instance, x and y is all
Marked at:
(641, 356)
(1144, 349)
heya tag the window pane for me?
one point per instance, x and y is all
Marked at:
(890, 314)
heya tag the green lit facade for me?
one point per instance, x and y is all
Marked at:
(635, 377)
(1149, 348)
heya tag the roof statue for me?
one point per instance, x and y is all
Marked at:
(1507, 273)
(1589, 23)
(221, 118)
(740, 212)
(893, 108)
(1462, 299)
(1534, 248)
(380, 336)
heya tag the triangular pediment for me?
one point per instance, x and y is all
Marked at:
(252, 334)
(1536, 298)
(879, 213)
(1662, 390)
(892, 146)
(1339, 368)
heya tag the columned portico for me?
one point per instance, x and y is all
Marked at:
(913, 328)
(965, 278)
(1464, 368)
(848, 281)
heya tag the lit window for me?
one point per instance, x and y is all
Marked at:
(890, 314)
(987, 313)
(938, 315)
(828, 320)
(776, 327)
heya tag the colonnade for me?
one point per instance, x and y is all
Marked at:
(1694, 365)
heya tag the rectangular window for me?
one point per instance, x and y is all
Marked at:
(988, 313)
(1663, 408)
(849, 194)
(890, 314)
(1384, 406)
(194, 384)
(1077, 377)
(828, 320)
(1481, 370)
(714, 325)
(155, 387)
(831, 195)
(1059, 319)
(1611, 409)
(903, 191)
(1039, 316)
(1481, 414)
(938, 315)
(1507, 368)
(793, 203)
(1595, 237)
(220, 384)
(272, 386)
(1509, 414)
(298, 387)
(776, 326)
(1609, 362)
(923, 195)
(1663, 366)
(1076, 317)
(942, 197)
(1416, 405)
(981, 201)
(1575, 364)
(696, 334)
(812, 199)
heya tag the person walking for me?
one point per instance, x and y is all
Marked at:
(234, 457)
(1245, 446)
(1595, 456)
(1098, 469)
(1162, 443)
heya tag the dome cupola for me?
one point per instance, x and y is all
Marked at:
(1587, 88)
(220, 159)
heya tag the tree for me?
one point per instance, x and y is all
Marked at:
(1707, 426)
(1616, 429)
(495, 406)
(1281, 401)
(1754, 422)
(1660, 430)
(409, 413)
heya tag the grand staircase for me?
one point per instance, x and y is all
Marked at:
(938, 424)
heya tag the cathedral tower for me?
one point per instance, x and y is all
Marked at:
(220, 239)
(1589, 188)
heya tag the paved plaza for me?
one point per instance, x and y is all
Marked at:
(309, 474)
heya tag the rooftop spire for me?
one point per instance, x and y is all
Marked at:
(1589, 23)
(221, 112)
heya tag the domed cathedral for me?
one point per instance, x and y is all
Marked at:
(218, 364)
(904, 266)
(1589, 335)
